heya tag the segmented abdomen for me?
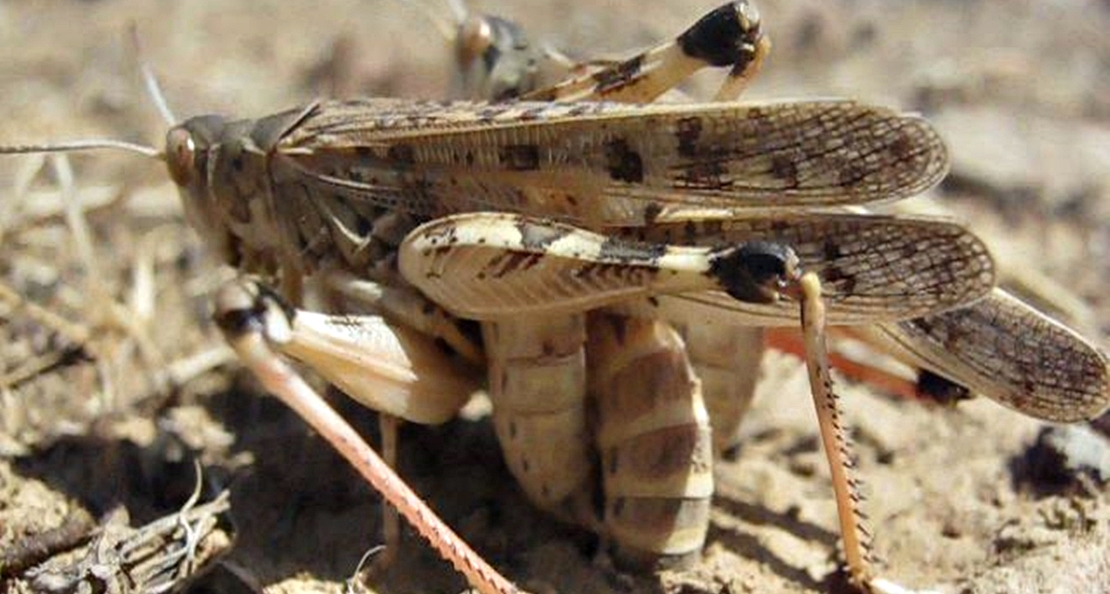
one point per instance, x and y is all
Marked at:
(654, 437)
(537, 373)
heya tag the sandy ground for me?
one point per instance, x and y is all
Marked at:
(1020, 89)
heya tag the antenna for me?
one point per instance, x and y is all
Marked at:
(153, 90)
(81, 145)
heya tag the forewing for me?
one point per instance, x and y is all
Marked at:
(603, 164)
(1011, 353)
(872, 268)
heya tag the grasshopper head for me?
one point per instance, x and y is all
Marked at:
(189, 152)
(222, 170)
(495, 58)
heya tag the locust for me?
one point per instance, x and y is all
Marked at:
(546, 220)
(1047, 363)
(998, 346)
(961, 347)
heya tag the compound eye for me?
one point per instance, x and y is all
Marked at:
(475, 37)
(180, 153)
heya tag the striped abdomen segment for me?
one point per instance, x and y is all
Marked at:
(537, 371)
(726, 358)
(654, 437)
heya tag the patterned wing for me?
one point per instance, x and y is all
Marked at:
(604, 164)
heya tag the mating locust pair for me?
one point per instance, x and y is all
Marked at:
(576, 248)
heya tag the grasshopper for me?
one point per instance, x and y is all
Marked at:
(999, 346)
(547, 197)
(1051, 371)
